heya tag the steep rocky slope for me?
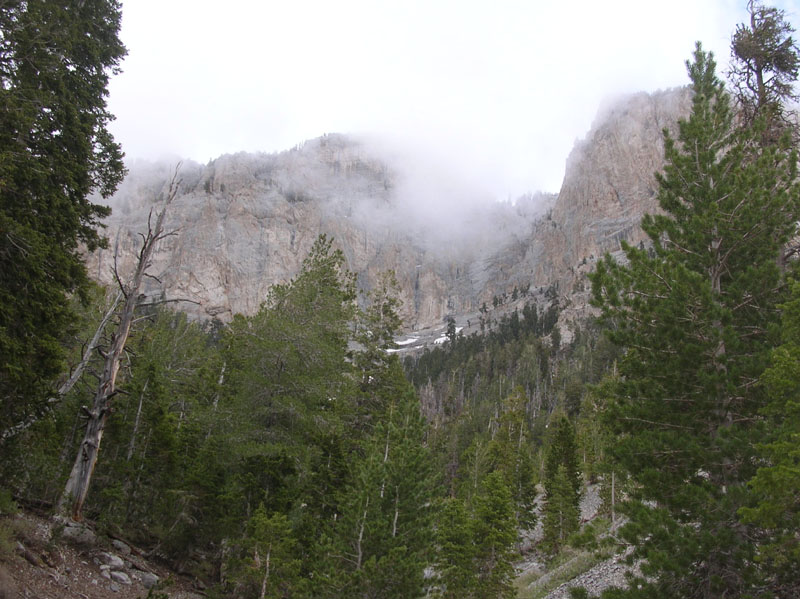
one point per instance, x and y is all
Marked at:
(244, 222)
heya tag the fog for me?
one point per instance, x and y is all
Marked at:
(493, 95)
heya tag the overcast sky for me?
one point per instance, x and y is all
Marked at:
(496, 91)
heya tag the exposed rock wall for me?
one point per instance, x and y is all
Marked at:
(246, 221)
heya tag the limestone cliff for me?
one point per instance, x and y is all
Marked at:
(244, 222)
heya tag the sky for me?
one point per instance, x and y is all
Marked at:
(493, 92)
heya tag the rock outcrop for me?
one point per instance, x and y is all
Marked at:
(245, 222)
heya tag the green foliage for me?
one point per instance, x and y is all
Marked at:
(775, 505)
(476, 546)
(764, 67)
(578, 593)
(268, 565)
(55, 150)
(562, 484)
(287, 362)
(455, 554)
(494, 532)
(381, 541)
(510, 453)
(8, 507)
(696, 317)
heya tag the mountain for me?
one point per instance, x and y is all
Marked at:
(244, 222)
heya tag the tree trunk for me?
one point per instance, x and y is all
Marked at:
(132, 444)
(71, 502)
(52, 402)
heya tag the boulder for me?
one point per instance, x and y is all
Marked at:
(148, 579)
(120, 577)
(79, 534)
(121, 547)
(113, 561)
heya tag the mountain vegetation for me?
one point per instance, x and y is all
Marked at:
(292, 453)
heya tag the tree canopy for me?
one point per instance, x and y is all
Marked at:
(696, 314)
(55, 152)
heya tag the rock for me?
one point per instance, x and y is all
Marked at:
(114, 587)
(121, 547)
(149, 580)
(247, 221)
(120, 577)
(8, 588)
(31, 557)
(113, 561)
(79, 534)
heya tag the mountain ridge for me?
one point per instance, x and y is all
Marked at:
(245, 221)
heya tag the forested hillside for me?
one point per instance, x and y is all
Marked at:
(291, 452)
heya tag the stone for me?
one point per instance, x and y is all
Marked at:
(149, 580)
(113, 561)
(120, 577)
(114, 587)
(122, 547)
(79, 534)
(246, 222)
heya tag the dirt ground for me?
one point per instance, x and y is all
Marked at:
(34, 565)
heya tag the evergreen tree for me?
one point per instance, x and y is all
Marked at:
(55, 150)
(288, 362)
(562, 485)
(381, 540)
(269, 566)
(696, 316)
(379, 379)
(764, 68)
(776, 505)
(476, 544)
(494, 532)
(511, 453)
(455, 552)
(561, 515)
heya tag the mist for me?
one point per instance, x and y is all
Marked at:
(494, 97)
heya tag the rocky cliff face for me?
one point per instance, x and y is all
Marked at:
(244, 222)
(609, 184)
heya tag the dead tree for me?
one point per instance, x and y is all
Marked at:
(61, 393)
(71, 502)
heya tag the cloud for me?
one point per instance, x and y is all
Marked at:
(497, 92)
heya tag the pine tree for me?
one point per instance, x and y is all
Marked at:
(562, 485)
(695, 314)
(55, 150)
(764, 68)
(288, 362)
(494, 532)
(776, 506)
(561, 515)
(270, 567)
(381, 540)
(455, 551)
(511, 453)
(476, 544)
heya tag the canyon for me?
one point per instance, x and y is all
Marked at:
(244, 222)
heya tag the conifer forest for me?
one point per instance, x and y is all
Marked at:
(295, 452)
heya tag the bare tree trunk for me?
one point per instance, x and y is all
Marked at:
(77, 487)
(266, 574)
(359, 548)
(132, 444)
(215, 404)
